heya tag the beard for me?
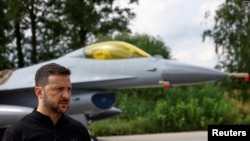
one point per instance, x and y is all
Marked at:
(52, 105)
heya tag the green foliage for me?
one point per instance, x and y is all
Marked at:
(150, 44)
(96, 17)
(36, 34)
(185, 108)
(231, 37)
(178, 107)
(4, 62)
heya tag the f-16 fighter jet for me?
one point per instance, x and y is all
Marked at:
(95, 70)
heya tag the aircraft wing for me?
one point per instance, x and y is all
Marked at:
(10, 114)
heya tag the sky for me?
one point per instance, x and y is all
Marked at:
(180, 24)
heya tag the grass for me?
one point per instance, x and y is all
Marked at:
(188, 108)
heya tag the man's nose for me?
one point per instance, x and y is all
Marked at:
(66, 94)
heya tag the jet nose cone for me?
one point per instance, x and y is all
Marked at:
(183, 74)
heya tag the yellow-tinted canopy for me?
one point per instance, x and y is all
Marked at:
(114, 50)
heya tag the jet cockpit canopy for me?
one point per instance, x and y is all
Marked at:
(113, 50)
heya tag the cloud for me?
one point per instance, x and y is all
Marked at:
(180, 24)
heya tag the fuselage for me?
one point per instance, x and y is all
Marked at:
(117, 74)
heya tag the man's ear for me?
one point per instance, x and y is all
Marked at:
(38, 92)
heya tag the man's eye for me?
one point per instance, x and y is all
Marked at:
(59, 89)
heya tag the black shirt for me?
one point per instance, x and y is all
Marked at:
(38, 127)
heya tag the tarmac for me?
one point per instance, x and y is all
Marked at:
(177, 136)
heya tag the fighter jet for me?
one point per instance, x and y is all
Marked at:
(98, 69)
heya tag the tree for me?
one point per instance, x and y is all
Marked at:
(96, 17)
(43, 30)
(231, 35)
(4, 51)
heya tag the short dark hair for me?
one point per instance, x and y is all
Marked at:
(42, 74)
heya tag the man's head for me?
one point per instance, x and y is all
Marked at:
(53, 88)
(42, 74)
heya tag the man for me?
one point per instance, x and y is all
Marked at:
(48, 122)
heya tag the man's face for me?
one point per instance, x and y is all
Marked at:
(57, 93)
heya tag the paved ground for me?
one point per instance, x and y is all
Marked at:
(180, 136)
